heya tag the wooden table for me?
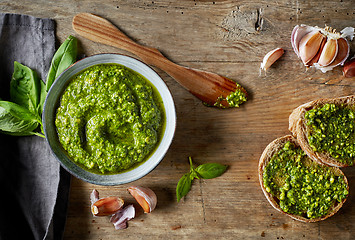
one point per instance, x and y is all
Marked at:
(229, 38)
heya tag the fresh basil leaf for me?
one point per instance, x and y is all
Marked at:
(19, 134)
(62, 59)
(183, 186)
(16, 120)
(25, 87)
(42, 97)
(211, 170)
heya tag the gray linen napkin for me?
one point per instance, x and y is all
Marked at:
(34, 187)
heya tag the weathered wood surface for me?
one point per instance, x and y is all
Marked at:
(229, 38)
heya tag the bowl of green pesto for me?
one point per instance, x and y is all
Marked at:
(109, 119)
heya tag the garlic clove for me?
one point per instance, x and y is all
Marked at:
(309, 46)
(329, 52)
(297, 34)
(317, 56)
(349, 69)
(343, 52)
(271, 57)
(146, 198)
(122, 216)
(106, 206)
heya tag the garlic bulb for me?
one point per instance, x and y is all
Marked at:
(322, 48)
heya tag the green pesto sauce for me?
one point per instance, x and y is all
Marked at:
(332, 131)
(301, 186)
(234, 99)
(110, 119)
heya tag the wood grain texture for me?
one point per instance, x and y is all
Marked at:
(229, 38)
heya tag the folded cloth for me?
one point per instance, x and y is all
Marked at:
(34, 187)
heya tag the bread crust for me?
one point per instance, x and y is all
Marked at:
(265, 158)
(299, 129)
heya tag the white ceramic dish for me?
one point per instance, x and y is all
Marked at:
(51, 105)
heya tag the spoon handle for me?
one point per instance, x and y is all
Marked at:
(206, 86)
(100, 30)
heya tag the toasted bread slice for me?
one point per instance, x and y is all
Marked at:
(299, 129)
(272, 149)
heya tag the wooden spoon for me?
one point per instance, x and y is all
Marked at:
(211, 88)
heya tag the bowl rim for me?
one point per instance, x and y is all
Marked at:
(54, 95)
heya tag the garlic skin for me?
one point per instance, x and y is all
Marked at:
(322, 48)
(271, 57)
(94, 196)
(146, 198)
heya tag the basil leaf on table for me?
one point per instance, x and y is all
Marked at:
(183, 186)
(17, 120)
(62, 59)
(211, 170)
(25, 87)
(205, 171)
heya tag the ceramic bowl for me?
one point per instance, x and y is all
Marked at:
(52, 101)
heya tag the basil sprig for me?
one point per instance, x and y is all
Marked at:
(204, 171)
(22, 116)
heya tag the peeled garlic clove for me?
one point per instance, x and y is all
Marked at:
(271, 57)
(309, 46)
(121, 217)
(145, 197)
(329, 52)
(349, 69)
(106, 206)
